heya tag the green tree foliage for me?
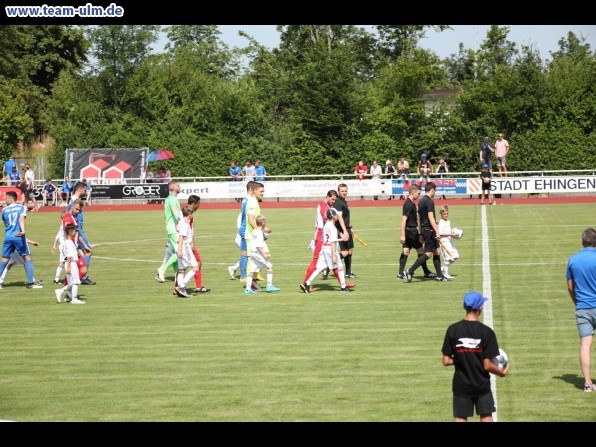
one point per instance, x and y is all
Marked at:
(328, 96)
(31, 60)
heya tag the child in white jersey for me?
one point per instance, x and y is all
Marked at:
(448, 249)
(329, 256)
(260, 257)
(59, 239)
(71, 255)
(186, 257)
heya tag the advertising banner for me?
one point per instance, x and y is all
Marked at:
(105, 166)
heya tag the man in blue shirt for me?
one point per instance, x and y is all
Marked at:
(14, 176)
(260, 171)
(581, 285)
(236, 175)
(48, 193)
(13, 217)
(66, 191)
(8, 166)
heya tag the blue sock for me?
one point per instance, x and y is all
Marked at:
(29, 271)
(87, 261)
(243, 264)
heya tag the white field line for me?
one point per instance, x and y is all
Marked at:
(487, 291)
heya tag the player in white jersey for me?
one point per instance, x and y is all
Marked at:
(329, 255)
(448, 249)
(70, 254)
(259, 257)
(186, 257)
(59, 240)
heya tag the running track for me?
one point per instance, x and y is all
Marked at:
(353, 202)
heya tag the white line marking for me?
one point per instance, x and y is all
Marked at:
(487, 291)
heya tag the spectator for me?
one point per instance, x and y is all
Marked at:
(391, 173)
(235, 173)
(49, 193)
(403, 170)
(149, 175)
(14, 176)
(501, 151)
(66, 191)
(28, 187)
(486, 152)
(88, 190)
(249, 171)
(425, 169)
(375, 174)
(581, 285)
(260, 171)
(361, 171)
(442, 169)
(8, 165)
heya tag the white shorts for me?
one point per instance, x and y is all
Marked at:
(73, 277)
(326, 260)
(187, 259)
(454, 253)
(258, 262)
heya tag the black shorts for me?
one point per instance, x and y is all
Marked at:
(463, 407)
(485, 186)
(346, 245)
(412, 239)
(431, 243)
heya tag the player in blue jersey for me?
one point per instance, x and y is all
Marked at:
(13, 217)
(77, 193)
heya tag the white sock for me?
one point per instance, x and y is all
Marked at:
(269, 278)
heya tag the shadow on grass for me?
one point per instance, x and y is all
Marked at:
(572, 379)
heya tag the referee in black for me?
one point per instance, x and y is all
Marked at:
(429, 232)
(410, 237)
(345, 247)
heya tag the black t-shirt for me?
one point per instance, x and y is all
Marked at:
(469, 343)
(411, 212)
(425, 206)
(486, 152)
(483, 175)
(341, 206)
(391, 171)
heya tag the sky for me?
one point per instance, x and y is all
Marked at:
(446, 43)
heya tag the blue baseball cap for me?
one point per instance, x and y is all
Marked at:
(484, 166)
(473, 300)
(422, 155)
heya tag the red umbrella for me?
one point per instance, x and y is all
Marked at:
(159, 155)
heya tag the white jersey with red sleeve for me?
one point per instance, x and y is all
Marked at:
(320, 219)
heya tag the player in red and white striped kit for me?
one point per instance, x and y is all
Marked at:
(329, 255)
(320, 219)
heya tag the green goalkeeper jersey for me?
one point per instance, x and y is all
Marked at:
(172, 210)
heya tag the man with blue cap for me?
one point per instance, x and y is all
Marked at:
(470, 346)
